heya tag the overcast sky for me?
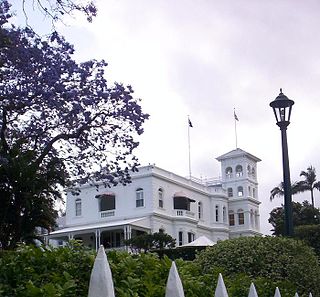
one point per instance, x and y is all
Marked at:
(203, 59)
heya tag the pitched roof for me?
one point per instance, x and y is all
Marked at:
(201, 241)
(238, 153)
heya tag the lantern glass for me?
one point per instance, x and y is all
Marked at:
(282, 107)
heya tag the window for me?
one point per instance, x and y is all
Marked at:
(224, 214)
(200, 209)
(253, 172)
(230, 192)
(139, 198)
(239, 171)
(240, 191)
(107, 202)
(240, 217)
(253, 192)
(231, 218)
(190, 237)
(181, 201)
(180, 235)
(248, 170)
(160, 196)
(228, 172)
(217, 213)
(249, 191)
(78, 207)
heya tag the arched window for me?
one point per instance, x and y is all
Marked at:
(224, 214)
(160, 196)
(78, 207)
(253, 192)
(200, 210)
(190, 237)
(239, 171)
(228, 172)
(180, 237)
(249, 191)
(139, 198)
(230, 192)
(248, 170)
(217, 213)
(240, 191)
(240, 217)
(253, 172)
(231, 218)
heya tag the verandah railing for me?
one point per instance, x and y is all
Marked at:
(101, 283)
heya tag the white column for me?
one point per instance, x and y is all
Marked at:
(96, 238)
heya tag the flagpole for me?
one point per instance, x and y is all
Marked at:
(189, 147)
(235, 126)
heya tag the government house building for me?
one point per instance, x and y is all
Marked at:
(156, 199)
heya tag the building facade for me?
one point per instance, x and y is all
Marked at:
(156, 199)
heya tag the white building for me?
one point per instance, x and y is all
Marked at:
(158, 199)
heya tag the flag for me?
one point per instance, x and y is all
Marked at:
(235, 116)
(190, 124)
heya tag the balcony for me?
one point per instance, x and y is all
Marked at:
(184, 213)
(107, 213)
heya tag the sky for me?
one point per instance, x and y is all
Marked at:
(203, 59)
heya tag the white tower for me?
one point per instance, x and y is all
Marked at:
(239, 178)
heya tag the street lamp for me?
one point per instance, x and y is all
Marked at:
(282, 106)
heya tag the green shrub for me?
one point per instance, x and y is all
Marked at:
(32, 271)
(65, 272)
(310, 234)
(266, 260)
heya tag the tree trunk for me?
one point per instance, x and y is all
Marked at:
(312, 199)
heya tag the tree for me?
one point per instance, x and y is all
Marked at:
(309, 183)
(272, 258)
(278, 191)
(156, 241)
(56, 9)
(303, 214)
(60, 124)
(309, 234)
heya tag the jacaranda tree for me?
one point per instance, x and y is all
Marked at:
(60, 122)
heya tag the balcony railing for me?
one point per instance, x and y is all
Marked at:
(107, 213)
(184, 213)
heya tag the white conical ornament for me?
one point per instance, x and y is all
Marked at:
(252, 291)
(221, 290)
(101, 283)
(174, 285)
(277, 293)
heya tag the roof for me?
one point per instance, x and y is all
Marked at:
(201, 241)
(238, 153)
(100, 226)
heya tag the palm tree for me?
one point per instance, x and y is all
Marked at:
(309, 183)
(279, 190)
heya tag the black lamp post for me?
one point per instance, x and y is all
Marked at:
(282, 106)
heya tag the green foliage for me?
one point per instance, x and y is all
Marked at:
(65, 272)
(182, 252)
(303, 214)
(32, 271)
(309, 234)
(266, 261)
(146, 242)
